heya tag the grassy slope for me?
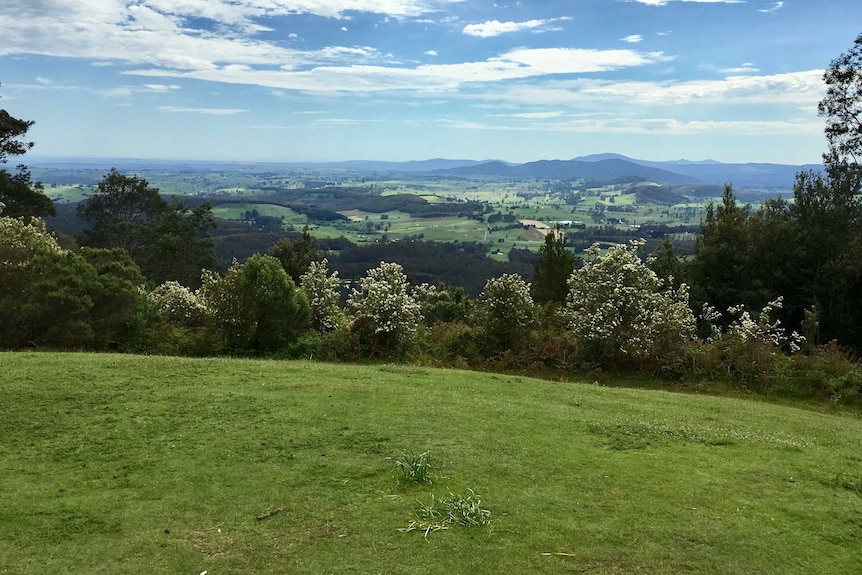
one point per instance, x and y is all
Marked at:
(116, 463)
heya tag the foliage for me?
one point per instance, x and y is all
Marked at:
(168, 241)
(751, 348)
(415, 467)
(116, 297)
(447, 512)
(506, 311)
(667, 265)
(178, 245)
(56, 298)
(296, 257)
(446, 304)
(721, 270)
(177, 304)
(21, 240)
(553, 269)
(383, 307)
(622, 311)
(255, 306)
(21, 196)
(321, 290)
(842, 106)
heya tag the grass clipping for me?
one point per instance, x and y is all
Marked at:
(449, 511)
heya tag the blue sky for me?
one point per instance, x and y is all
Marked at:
(290, 80)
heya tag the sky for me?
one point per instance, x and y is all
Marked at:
(397, 80)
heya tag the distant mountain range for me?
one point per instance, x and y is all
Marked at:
(598, 167)
(608, 167)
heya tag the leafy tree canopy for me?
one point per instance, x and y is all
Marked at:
(167, 240)
(20, 195)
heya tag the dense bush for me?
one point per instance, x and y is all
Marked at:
(506, 312)
(255, 306)
(623, 313)
(383, 311)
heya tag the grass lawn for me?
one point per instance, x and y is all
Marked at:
(133, 464)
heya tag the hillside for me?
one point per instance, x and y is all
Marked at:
(133, 464)
(608, 169)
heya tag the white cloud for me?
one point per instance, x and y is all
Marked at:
(776, 6)
(665, 2)
(653, 126)
(797, 89)
(632, 39)
(128, 91)
(430, 52)
(210, 111)
(493, 28)
(43, 81)
(515, 64)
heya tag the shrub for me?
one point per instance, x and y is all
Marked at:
(624, 313)
(322, 293)
(751, 350)
(506, 312)
(383, 311)
(177, 304)
(255, 306)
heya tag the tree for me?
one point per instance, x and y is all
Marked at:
(58, 298)
(720, 272)
(21, 196)
(167, 240)
(296, 257)
(255, 306)
(667, 265)
(842, 106)
(553, 269)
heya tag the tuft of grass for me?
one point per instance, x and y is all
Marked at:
(415, 467)
(440, 514)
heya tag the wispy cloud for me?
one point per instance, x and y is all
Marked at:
(776, 6)
(665, 2)
(427, 78)
(797, 89)
(208, 111)
(632, 39)
(129, 91)
(650, 126)
(493, 28)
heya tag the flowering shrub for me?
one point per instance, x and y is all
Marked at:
(384, 306)
(506, 311)
(177, 304)
(623, 312)
(751, 348)
(322, 293)
(20, 241)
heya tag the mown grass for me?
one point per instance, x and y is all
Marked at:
(133, 464)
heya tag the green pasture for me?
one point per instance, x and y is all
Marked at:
(135, 464)
(68, 194)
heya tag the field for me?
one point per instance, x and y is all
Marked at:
(132, 464)
(236, 193)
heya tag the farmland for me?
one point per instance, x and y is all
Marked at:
(369, 207)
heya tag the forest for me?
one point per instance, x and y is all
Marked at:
(767, 298)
